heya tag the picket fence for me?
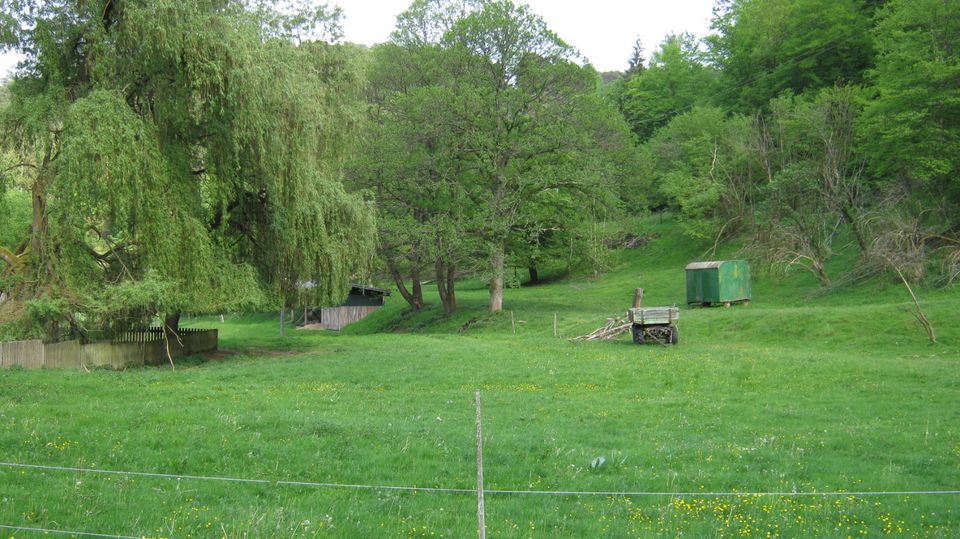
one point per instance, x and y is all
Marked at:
(337, 318)
(129, 349)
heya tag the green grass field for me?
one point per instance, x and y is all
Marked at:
(802, 391)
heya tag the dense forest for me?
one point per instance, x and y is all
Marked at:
(167, 157)
(490, 144)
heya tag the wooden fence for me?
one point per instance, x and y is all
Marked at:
(129, 349)
(337, 318)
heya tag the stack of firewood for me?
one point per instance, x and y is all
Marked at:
(613, 329)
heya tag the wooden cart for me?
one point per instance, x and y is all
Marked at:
(654, 324)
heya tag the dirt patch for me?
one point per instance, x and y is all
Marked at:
(223, 355)
(312, 327)
(219, 355)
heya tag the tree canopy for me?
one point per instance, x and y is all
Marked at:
(485, 129)
(194, 146)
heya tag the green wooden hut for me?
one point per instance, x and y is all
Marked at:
(716, 282)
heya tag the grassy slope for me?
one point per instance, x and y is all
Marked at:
(793, 393)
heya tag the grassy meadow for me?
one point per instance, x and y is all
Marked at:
(802, 391)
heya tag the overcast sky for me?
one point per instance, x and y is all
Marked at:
(603, 30)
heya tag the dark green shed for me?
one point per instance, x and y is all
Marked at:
(724, 281)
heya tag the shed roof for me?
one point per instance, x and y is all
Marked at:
(362, 290)
(705, 265)
(355, 289)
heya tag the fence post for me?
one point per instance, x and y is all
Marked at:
(481, 512)
(637, 298)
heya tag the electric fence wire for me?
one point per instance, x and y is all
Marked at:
(605, 493)
(74, 533)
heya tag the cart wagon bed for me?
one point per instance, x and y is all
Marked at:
(654, 324)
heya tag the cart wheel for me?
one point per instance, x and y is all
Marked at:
(674, 335)
(637, 334)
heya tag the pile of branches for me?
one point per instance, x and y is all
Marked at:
(614, 328)
(630, 241)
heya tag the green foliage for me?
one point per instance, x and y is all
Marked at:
(766, 47)
(676, 80)
(700, 165)
(815, 184)
(911, 130)
(14, 218)
(484, 135)
(191, 144)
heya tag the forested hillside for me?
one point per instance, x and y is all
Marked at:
(794, 122)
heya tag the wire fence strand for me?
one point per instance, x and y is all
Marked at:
(66, 532)
(606, 493)
(187, 477)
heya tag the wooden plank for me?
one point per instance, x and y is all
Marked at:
(654, 315)
(336, 318)
(26, 354)
(130, 349)
(62, 355)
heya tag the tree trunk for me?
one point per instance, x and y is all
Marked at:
(496, 281)
(171, 323)
(38, 228)
(445, 284)
(450, 305)
(821, 271)
(534, 276)
(415, 297)
(857, 229)
(171, 333)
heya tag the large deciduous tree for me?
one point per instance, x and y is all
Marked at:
(181, 156)
(529, 129)
(412, 156)
(487, 141)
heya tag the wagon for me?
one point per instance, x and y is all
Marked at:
(654, 324)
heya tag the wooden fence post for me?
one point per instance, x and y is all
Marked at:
(637, 298)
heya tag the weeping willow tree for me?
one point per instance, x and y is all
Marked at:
(180, 156)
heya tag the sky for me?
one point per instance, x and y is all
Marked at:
(602, 30)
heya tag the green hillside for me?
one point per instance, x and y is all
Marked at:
(791, 311)
(800, 392)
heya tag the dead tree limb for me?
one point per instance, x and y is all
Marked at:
(918, 313)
